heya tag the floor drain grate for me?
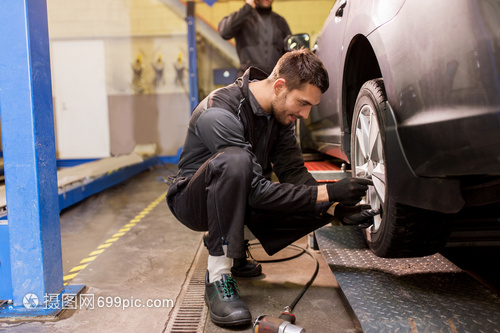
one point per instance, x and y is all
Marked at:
(190, 314)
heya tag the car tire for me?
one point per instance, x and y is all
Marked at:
(400, 230)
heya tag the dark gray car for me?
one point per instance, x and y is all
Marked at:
(413, 103)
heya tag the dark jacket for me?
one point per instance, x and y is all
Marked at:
(226, 118)
(244, 28)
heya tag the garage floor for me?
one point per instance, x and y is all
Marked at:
(125, 246)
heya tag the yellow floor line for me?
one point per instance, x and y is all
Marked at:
(96, 252)
(78, 268)
(104, 246)
(100, 249)
(88, 259)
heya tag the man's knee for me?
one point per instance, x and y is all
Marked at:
(233, 162)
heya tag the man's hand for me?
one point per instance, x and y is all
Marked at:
(348, 191)
(355, 215)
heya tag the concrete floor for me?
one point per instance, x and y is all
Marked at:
(149, 257)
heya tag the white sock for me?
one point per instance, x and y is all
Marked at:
(218, 265)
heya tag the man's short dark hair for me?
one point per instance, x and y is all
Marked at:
(300, 67)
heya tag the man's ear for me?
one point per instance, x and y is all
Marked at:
(279, 84)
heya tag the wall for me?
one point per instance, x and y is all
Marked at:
(303, 16)
(142, 109)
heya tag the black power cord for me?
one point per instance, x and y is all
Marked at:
(302, 251)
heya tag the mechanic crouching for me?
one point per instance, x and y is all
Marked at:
(237, 136)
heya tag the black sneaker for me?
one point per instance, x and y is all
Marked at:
(242, 267)
(246, 268)
(224, 302)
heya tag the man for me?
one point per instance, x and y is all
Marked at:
(237, 136)
(259, 34)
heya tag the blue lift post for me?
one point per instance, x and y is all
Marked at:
(193, 69)
(34, 237)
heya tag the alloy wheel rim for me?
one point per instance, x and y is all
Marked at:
(369, 160)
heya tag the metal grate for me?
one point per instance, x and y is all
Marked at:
(190, 313)
(428, 294)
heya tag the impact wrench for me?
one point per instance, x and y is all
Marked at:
(285, 322)
(348, 215)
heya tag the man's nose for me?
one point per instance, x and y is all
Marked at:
(304, 113)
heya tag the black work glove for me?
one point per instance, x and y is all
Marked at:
(355, 215)
(348, 191)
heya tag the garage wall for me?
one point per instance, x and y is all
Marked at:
(140, 109)
(111, 18)
(147, 108)
(302, 15)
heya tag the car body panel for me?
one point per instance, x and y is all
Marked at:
(327, 130)
(440, 65)
(448, 99)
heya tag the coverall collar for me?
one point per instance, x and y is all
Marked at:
(252, 74)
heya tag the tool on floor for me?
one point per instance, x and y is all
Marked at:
(285, 322)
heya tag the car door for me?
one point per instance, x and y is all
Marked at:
(324, 123)
(329, 123)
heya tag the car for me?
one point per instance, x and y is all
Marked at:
(413, 104)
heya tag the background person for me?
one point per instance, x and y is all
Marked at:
(259, 34)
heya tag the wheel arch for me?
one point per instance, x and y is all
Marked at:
(361, 65)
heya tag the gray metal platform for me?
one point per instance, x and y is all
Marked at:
(428, 294)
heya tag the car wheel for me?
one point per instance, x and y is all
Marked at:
(399, 230)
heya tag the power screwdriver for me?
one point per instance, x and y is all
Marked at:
(283, 324)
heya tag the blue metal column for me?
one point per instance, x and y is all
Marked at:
(193, 69)
(29, 151)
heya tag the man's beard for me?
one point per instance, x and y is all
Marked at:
(264, 10)
(278, 110)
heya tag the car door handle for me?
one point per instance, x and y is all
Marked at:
(340, 10)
